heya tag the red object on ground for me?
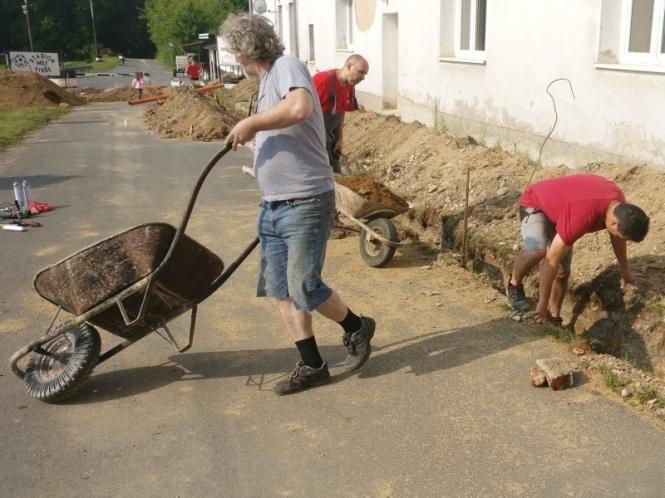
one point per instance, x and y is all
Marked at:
(145, 100)
(40, 207)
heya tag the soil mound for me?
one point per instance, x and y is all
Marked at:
(244, 89)
(372, 190)
(32, 90)
(187, 114)
(429, 169)
(117, 94)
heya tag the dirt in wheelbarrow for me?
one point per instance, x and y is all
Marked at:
(428, 168)
(372, 190)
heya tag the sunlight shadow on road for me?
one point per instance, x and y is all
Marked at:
(421, 354)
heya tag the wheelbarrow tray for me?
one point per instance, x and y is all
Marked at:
(95, 274)
(351, 203)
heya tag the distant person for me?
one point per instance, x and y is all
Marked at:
(554, 214)
(137, 84)
(336, 91)
(121, 59)
(193, 69)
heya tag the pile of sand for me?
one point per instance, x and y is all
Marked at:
(117, 94)
(187, 114)
(32, 90)
(243, 90)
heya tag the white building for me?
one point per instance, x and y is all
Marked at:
(481, 67)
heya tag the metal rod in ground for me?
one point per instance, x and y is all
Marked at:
(466, 217)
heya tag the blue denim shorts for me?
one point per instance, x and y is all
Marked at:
(538, 232)
(294, 235)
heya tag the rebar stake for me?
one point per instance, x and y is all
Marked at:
(466, 217)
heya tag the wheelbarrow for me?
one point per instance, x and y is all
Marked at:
(378, 235)
(130, 284)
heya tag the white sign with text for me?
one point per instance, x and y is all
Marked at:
(44, 63)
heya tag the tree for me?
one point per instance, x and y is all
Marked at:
(65, 26)
(180, 21)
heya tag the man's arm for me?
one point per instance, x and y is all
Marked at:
(621, 253)
(294, 108)
(550, 266)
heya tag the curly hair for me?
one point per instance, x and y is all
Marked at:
(252, 36)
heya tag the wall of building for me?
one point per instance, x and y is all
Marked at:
(616, 115)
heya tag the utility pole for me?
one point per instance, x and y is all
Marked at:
(94, 31)
(26, 10)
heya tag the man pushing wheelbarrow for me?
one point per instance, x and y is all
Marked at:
(133, 283)
(298, 199)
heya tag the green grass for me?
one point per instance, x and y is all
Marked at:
(646, 393)
(106, 64)
(642, 395)
(655, 306)
(559, 333)
(15, 122)
(612, 380)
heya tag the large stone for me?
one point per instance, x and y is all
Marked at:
(559, 373)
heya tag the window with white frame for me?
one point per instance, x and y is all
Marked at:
(344, 11)
(643, 32)
(470, 21)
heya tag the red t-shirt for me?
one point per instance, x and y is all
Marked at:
(576, 204)
(193, 70)
(344, 95)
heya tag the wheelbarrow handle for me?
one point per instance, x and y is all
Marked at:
(190, 207)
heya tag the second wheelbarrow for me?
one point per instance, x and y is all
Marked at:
(130, 284)
(373, 214)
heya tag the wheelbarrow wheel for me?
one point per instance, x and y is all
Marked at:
(69, 361)
(374, 252)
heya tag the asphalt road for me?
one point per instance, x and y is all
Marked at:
(443, 407)
(122, 74)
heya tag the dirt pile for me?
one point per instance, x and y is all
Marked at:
(372, 190)
(32, 90)
(244, 89)
(117, 94)
(429, 168)
(187, 114)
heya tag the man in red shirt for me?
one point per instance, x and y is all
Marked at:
(193, 70)
(554, 214)
(336, 90)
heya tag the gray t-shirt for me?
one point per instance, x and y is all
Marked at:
(292, 162)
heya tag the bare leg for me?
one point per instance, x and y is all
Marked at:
(524, 263)
(298, 322)
(559, 288)
(334, 308)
